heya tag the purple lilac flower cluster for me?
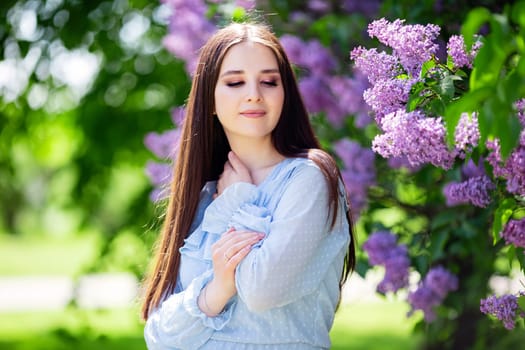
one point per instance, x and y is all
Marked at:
(513, 169)
(466, 135)
(411, 137)
(520, 107)
(367, 8)
(189, 28)
(505, 308)
(382, 249)
(421, 140)
(358, 172)
(412, 44)
(514, 232)
(322, 90)
(387, 93)
(164, 146)
(475, 191)
(432, 291)
(458, 51)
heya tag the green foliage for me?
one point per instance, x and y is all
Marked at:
(497, 79)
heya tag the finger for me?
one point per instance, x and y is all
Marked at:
(227, 240)
(237, 258)
(228, 166)
(235, 162)
(232, 238)
(234, 248)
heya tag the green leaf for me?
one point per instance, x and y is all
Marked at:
(475, 19)
(521, 302)
(427, 66)
(437, 245)
(469, 102)
(501, 216)
(518, 13)
(511, 254)
(446, 87)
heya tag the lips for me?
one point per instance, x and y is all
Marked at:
(253, 113)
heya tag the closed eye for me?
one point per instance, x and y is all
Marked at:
(270, 82)
(235, 83)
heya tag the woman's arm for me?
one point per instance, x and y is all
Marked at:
(179, 322)
(299, 249)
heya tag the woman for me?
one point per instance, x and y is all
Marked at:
(257, 238)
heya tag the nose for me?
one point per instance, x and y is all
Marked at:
(254, 93)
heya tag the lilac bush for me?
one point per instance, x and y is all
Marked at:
(405, 83)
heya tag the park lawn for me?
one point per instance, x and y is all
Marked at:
(22, 256)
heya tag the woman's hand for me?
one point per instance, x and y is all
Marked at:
(234, 171)
(227, 253)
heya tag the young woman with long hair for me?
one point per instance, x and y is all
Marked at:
(257, 239)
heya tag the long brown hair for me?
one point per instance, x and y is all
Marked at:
(203, 151)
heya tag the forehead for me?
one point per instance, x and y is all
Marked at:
(249, 56)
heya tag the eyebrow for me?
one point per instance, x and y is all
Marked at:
(235, 72)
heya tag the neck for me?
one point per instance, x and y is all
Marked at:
(259, 157)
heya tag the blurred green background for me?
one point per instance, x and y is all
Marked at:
(81, 83)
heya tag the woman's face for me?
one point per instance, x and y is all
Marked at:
(249, 94)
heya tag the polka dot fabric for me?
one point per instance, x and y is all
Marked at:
(288, 285)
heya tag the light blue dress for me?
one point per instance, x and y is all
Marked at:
(287, 286)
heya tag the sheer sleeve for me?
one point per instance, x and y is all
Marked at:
(179, 322)
(299, 248)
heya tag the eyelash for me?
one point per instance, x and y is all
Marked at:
(271, 83)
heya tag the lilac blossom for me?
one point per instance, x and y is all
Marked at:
(321, 6)
(513, 169)
(368, 8)
(376, 65)
(457, 49)
(515, 166)
(471, 169)
(475, 191)
(466, 135)
(520, 107)
(358, 172)
(432, 291)
(505, 308)
(387, 96)
(413, 44)
(188, 30)
(514, 232)
(164, 146)
(494, 158)
(382, 249)
(312, 55)
(337, 96)
(421, 140)
(158, 173)
(350, 99)
(316, 93)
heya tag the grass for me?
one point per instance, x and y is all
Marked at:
(371, 325)
(21, 256)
